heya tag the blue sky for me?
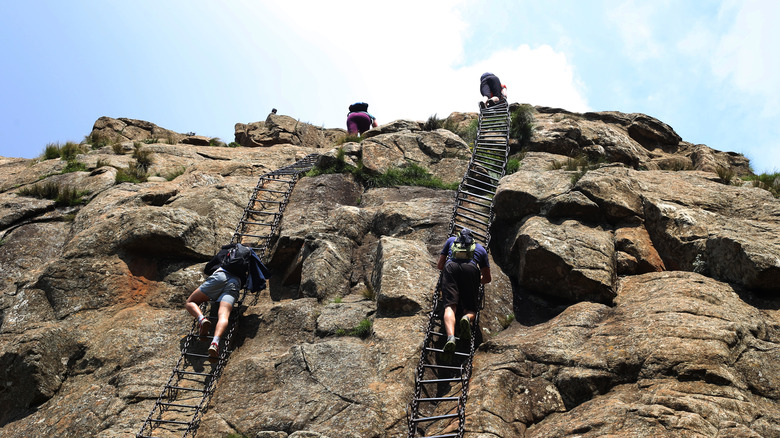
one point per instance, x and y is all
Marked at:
(709, 69)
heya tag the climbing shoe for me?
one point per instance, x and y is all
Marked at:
(205, 325)
(214, 350)
(449, 347)
(465, 328)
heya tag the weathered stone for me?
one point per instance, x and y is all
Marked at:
(124, 129)
(524, 192)
(566, 260)
(403, 278)
(635, 241)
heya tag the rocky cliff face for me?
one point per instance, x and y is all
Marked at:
(634, 295)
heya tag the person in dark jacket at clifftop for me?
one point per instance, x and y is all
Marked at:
(223, 286)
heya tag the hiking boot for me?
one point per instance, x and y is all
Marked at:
(481, 105)
(465, 328)
(449, 347)
(205, 326)
(214, 350)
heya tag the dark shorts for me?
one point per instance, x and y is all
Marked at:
(358, 123)
(460, 285)
(490, 86)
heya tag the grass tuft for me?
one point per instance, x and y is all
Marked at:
(521, 127)
(61, 195)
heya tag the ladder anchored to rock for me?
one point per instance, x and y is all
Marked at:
(185, 397)
(441, 382)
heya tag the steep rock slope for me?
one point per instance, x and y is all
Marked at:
(645, 301)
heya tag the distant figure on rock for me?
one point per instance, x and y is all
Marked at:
(359, 120)
(492, 89)
(464, 264)
(234, 266)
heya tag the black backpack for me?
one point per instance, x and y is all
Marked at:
(357, 107)
(236, 261)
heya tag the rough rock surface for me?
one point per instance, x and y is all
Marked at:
(627, 300)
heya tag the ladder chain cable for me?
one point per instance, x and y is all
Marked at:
(473, 198)
(169, 398)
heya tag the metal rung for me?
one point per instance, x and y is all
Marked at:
(193, 373)
(446, 435)
(484, 198)
(471, 201)
(182, 388)
(438, 399)
(486, 215)
(284, 192)
(477, 172)
(492, 192)
(438, 417)
(447, 380)
(179, 405)
(439, 350)
(442, 367)
(198, 355)
(269, 202)
(259, 236)
(171, 422)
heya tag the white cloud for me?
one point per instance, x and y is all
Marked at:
(411, 64)
(747, 54)
(634, 24)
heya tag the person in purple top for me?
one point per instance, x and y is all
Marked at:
(359, 120)
(464, 264)
(492, 89)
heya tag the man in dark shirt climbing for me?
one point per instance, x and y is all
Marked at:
(464, 264)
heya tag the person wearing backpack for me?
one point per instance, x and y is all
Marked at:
(359, 120)
(492, 89)
(464, 264)
(234, 266)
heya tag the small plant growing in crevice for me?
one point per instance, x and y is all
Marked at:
(133, 173)
(74, 166)
(512, 166)
(362, 330)
(174, 174)
(338, 300)
(97, 140)
(368, 292)
(216, 141)
(506, 320)
(233, 144)
(51, 151)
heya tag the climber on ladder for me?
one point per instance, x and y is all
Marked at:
(464, 264)
(492, 89)
(234, 266)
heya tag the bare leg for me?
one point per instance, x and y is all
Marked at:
(224, 314)
(193, 303)
(449, 320)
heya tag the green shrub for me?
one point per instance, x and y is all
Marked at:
(134, 173)
(98, 140)
(469, 134)
(233, 144)
(74, 166)
(512, 166)
(767, 181)
(216, 141)
(521, 125)
(411, 175)
(118, 149)
(726, 174)
(51, 152)
(433, 123)
(150, 140)
(143, 156)
(70, 149)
